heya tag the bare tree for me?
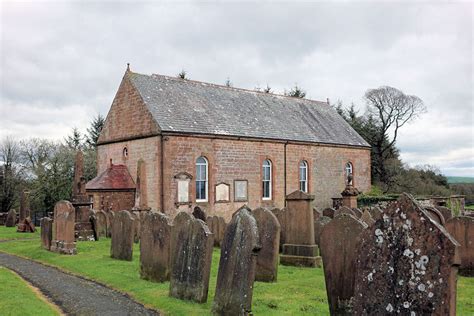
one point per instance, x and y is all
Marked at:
(392, 109)
(11, 173)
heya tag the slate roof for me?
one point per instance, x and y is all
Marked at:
(115, 177)
(188, 106)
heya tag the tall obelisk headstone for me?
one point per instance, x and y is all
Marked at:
(24, 224)
(83, 227)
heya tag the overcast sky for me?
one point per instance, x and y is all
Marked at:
(61, 63)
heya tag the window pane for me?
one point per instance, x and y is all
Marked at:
(200, 190)
(266, 189)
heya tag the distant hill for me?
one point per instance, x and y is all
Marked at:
(460, 179)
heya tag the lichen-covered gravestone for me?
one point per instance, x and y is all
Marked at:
(136, 226)
(237, 265)
(110, 220)
(46, 232)
(191, 257)
(407, 264)
(269, 232)
(462, 229)
(217, 225)
(435, 215)
(199, 213)
(282, 217)
(367, 218)
(344, 210)
(329, 212)
(318, 228)
(376, 213)
(25, 225)
(101, 224)
(11, 219)
(64, 220)
(338, 243)
(121, 246)
(357, 212)
(155, 247)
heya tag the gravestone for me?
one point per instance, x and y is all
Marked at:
(121, 246)
(136, 226)
(282, 216)
(357, 212)
(318, 228)
(81, 202)
(299, 248)
(344, 210)
(329, 212)
(101, 224)
(63, 233)
(24, 223)
(46, 232)
(435, 215)
(199, 213)
(462, 229)
(269, 232)
(338, 244)
(110, 220)
(237, 265)
(191, 257)
(11, 219)
(217, 226)
(376, 213)
(155, 247)
(367, 218)
(406, 264)
(316, 214)
(447, 214)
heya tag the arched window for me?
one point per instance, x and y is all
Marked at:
(349, 173)
(267, 179)
(201, 179)
(304, 176)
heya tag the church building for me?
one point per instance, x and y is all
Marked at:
(183, 143)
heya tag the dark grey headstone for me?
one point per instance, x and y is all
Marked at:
(269, 232)
(121, 246)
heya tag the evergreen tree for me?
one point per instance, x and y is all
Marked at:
(182, 74)
(74, 141)
(94, 130)
(296, 92)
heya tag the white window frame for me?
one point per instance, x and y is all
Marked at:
(349, 171)
(206, 179)
(269, 197)
(303, 165)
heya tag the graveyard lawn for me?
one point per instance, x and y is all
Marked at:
(9, 233)
(298, 290)
(14, 292)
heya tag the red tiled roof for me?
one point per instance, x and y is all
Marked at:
(115, 177)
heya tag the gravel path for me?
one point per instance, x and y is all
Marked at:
(74, 295)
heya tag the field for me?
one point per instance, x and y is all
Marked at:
(298, 290)
(460, 180)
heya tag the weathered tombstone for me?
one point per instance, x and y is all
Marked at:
(3, 218)
(281, 215)
(376, 213)
(300, 249)
(329, 212)
(101, 224)
(11, 218)
(435, 215)
(199, 213)
(217, 225)
(155, 247)
(338, 243)
(121, 246)
(447, 213)
(136, 226)
(46, 232)
(191, 257)
(344, 210)
(406, 264)
(318, 228)
(269, 232)
(367, 218)
(462, 229)
(110, 220)
(316, 213)
(237, 264)
(357, 212)
(24, 223)
(64, 219)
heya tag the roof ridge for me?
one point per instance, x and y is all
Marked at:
(227, 87)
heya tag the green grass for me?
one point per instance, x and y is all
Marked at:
(298, 291)
(469, 207)
(18, 298)
(460, 179)
(8, 233)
